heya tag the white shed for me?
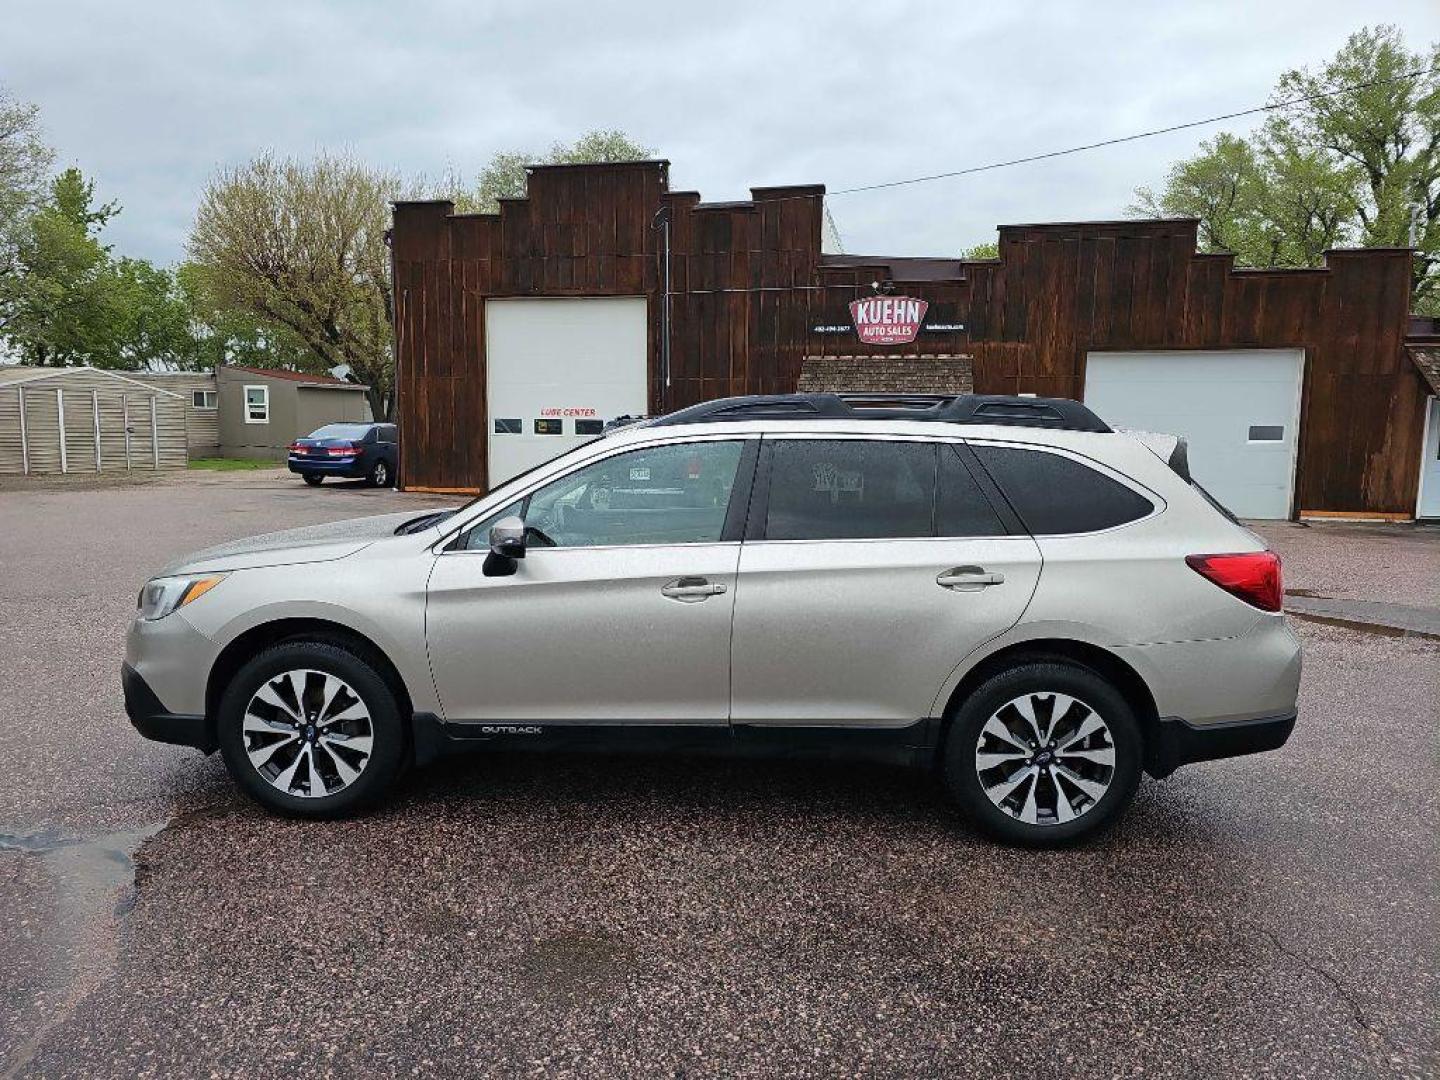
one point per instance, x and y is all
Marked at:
(80, 419)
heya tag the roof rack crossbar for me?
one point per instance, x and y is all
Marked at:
(1062, 413)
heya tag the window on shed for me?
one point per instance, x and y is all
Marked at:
(203, 399)
(257, 404)
(1055, 494)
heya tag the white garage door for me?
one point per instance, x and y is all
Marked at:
(1239, 410)
(556, 370)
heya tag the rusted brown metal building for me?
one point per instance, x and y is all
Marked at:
(711, 299)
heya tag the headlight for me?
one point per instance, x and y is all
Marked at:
(163, 595)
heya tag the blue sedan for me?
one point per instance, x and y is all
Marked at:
(352, 451)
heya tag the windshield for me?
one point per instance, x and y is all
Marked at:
(340, 431)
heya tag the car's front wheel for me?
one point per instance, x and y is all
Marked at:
(380, 474)
(1043, 753)
(310, 729)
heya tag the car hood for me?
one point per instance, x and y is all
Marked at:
(310, 544)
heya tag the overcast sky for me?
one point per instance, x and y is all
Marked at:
(151, 98)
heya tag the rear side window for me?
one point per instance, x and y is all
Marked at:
(846, 489)
(1055, 494)
(849, 489)
(961, 508)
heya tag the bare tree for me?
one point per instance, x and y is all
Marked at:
(24, 168)
(302, 246)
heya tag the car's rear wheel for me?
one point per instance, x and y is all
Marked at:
(1043, 753)
(380, 474)
(309, 729)
(313, 479)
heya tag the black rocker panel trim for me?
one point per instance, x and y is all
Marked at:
(907, 744)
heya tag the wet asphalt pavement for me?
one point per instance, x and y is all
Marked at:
(568, 916)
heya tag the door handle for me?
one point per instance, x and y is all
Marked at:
(968, 578)
(688, 590)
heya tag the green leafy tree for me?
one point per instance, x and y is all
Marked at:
(149, 320)
(990, 249)
(504, 176)
(69, 300)
(299, 249)
(1356, 168)
(55, 310)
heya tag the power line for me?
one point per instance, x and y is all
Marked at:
(1128, 138)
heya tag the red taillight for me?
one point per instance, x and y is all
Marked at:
(341, 451)
(1253, 576)
(295, 447)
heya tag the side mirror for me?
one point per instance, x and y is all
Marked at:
(507, 538)
(507, 544)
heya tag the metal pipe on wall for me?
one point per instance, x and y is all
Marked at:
(95, 412)
(662, 221)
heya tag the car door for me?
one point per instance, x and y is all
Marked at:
(620, 610)
(370, 449)
(872, 566)
(388, 447)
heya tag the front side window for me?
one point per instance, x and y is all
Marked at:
(1055, 494)
(257, 404)
(676, 494)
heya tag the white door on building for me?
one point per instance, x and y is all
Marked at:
(1239, 410)
(1429, 505)
(556, 370)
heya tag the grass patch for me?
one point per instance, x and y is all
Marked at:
(232, 464)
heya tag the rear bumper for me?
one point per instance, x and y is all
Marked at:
(1177, 742)
(321, 467)
(151, 720)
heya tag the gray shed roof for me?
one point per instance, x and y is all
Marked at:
(17, 374)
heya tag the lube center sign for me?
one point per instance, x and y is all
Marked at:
(888, 320)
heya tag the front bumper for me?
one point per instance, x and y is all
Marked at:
(154, 722)
(1176, 742)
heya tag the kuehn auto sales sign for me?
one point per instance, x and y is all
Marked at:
(888, 320)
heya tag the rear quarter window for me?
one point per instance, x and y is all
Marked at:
(1055, 494)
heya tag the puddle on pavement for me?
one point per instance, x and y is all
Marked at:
(1377, 629)
(85, 869)
(93, 880)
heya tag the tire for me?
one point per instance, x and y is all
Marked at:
(313, 479)
(1074, 796)
(258, 713)
(380, 474)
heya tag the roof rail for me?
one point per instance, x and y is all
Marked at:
(1002, 409)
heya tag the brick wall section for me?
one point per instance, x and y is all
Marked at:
(942, 374)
